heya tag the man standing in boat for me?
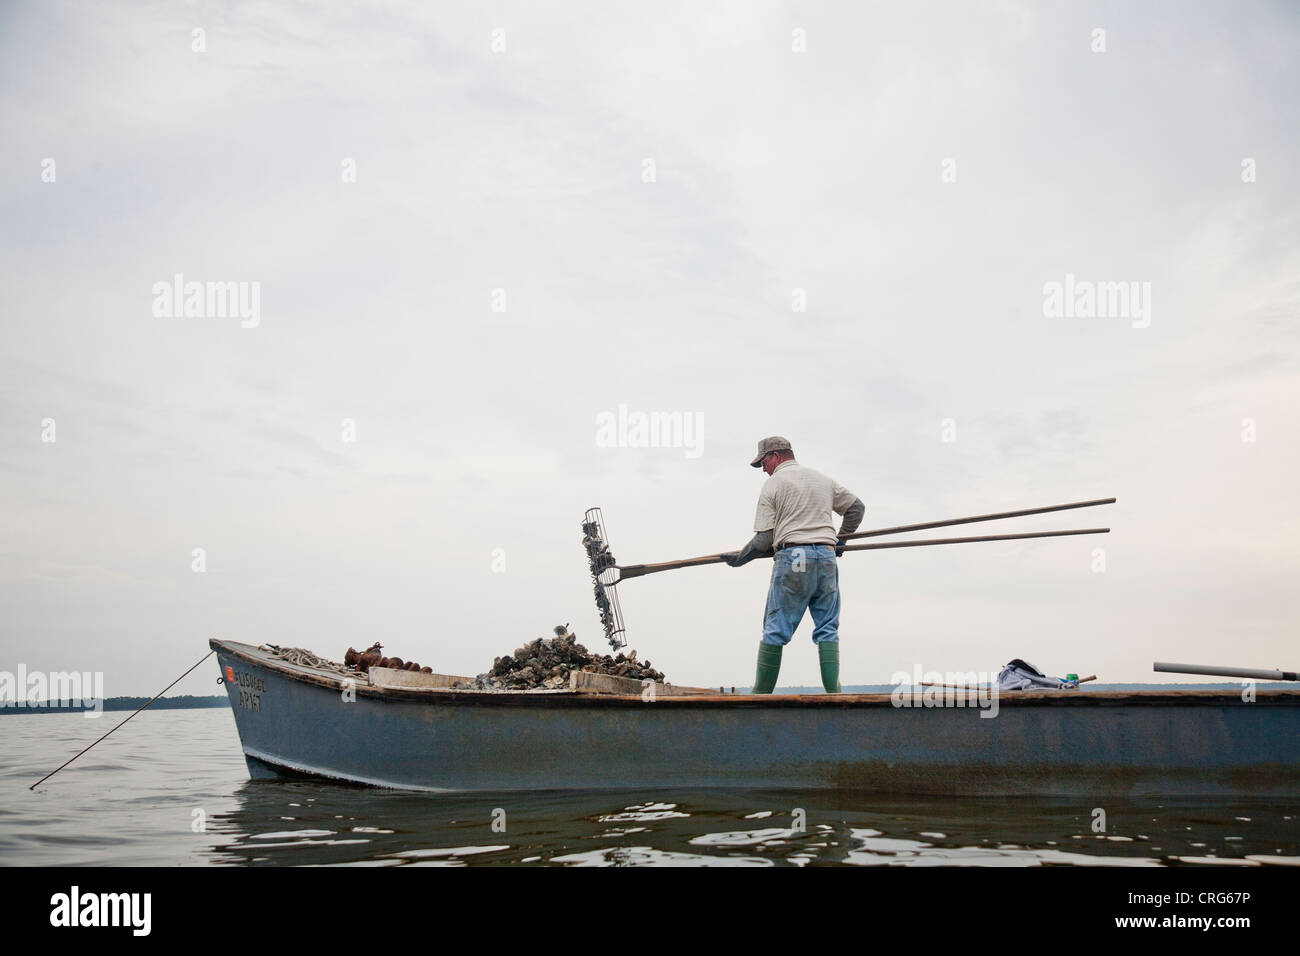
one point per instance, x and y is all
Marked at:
(793, 523)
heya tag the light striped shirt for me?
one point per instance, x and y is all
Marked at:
(797, 504)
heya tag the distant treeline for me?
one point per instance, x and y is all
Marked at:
(185, 702)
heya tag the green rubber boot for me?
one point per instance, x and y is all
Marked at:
(769, 666)
(829, 655)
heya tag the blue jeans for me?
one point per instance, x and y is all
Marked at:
(803, 578)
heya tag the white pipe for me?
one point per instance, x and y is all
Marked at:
(1223, 671)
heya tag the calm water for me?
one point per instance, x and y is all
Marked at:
(141, 797)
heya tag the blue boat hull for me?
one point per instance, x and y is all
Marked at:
(1065, 744)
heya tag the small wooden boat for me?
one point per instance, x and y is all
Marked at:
(415, 731)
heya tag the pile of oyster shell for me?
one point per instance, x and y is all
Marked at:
(547, 663)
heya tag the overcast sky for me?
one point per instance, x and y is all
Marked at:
(476, 228)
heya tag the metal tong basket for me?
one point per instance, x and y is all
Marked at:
(596, 543)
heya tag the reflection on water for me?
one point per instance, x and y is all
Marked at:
(356, 826)
(173, 789)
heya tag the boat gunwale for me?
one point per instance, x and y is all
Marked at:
(564, 697)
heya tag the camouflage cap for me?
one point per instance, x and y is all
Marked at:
(769, 445)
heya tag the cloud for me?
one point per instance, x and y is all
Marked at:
(778, 176)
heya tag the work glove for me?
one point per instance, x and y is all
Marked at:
(759, 546)
(852, 518)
